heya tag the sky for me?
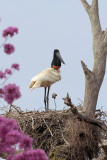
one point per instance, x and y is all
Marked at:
(45, 26)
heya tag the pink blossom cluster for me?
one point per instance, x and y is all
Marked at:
(8, 71)
(15, 66)
(10, 136)
(10, 31)
(2, 75)
(9, 48)
(10, 93)
(32, 154)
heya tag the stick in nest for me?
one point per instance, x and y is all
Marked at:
(46, 125)
(63, 137)
(33, 123)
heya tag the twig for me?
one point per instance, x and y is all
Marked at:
(54, 97)
(4, 42)
(33, 123)
(15, 108)
(55, 104)
(6, 80)
(46, 124)
(63, 136)
(80, 100)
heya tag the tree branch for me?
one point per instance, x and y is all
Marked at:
(94, 18)
(95, 4)
(86, 5)
(105, 35)
(84, 117)
(93, 15)
(95, 78)
(87, 72)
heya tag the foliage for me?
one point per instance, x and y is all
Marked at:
(9, 92)
(16, 144)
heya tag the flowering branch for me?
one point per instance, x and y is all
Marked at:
(4, 42)
(9, 92)
(11, 136)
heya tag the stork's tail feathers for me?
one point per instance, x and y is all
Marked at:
(34, 84)
(31, 84)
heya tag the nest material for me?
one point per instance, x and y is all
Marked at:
(59, 133)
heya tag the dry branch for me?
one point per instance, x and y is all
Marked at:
(95, 4)
(83, 117)
(87, 72)
(86, 5)
(94, 78)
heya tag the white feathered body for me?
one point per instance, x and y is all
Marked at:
(45, 79)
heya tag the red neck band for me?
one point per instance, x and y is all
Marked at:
(56, 67)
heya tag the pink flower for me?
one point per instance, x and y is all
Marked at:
(10, 31)
(9, 48)
(32, 154)
(41, 155)
(11, 136)
(8, 71)
(12, 124)
(15, 66)
(26, 142)
(2, 75)
(3, 130)
(11, 93)
(1, 93)
(7, 126)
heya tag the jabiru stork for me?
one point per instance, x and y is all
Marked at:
(47, 77)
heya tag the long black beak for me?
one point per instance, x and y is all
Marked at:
(59, 56)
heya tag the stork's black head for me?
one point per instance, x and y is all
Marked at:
(57, 59)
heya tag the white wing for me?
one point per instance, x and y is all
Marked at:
(48, 74)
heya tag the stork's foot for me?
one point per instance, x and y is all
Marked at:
(46, 109)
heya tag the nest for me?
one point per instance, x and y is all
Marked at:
(59, 133)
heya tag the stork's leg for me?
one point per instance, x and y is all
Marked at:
(48, 99)
(45, 98)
